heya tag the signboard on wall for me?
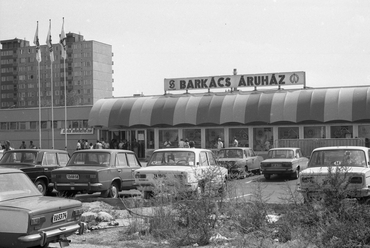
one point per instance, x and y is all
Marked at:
(89, 130)
(236, 81)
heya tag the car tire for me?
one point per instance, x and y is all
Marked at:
(114, 191)
(267, 176)
(41, 186)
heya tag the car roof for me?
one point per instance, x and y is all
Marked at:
(285, 148)
(182, 149)
(37, 150)
(341, 147)
(103, 150)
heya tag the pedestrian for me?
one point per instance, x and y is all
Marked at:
(23, 145)
(191, 144)
(235, 142)
(78, 146)
(220, 144)
(7, 145)
(186, 145)
(98, 145)
(182, 143)
(32, 146)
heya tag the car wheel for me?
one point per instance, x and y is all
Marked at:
(41, 186)
(267, 176)
(114, 191)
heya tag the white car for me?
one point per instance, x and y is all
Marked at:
(185, 169)
(331, 168)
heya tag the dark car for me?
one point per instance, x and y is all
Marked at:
(239, 161)
(37, 164)
(284, 161)
(97, 170)
(29, 219)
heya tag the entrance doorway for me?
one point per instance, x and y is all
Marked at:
(137, 141)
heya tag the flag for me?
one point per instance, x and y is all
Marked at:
(50, 45)
(63, 42)
(37, 44)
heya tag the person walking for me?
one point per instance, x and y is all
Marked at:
(235, 142)
(78, 145)
(32, 146)
(7, 145)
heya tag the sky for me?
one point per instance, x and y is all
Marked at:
(157, 39)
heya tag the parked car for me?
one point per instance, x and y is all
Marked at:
(342, 167)
(185, 169)
(37, 164)
(284, 161)
(107, 171)
(239, 161)
(29, 219)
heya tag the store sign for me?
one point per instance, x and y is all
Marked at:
(81, 130)
(236, 81)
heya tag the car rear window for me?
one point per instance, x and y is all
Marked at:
(280, 154)
(89, 158)
(179, 158)
(338, 157)
(230, 153)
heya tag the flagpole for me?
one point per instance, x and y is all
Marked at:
(62, 42)
(38, 58)
(50, 45)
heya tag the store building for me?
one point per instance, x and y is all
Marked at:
(258, 118)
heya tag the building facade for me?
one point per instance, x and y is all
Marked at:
(26, 87)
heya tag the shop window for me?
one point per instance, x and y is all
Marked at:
(288, 132)
(212, 136)
(168, 138)
(262, 139)
(241, 135)
(193, 135)
(364, 132)
(315, 132)
(341, 131)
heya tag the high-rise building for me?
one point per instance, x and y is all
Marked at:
(88, 67)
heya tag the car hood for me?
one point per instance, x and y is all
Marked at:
(168, 169)
(325, 170)
(72, 169)
(37, 204)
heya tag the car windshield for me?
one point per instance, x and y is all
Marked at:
(182, 158)
(338, 157)
(16, 185)
(280, 154)
(89, 158)
(19, 157)
(230, 153)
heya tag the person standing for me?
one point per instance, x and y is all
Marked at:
(8, 146)
(235, 142)
(32, 146)
(78, 145)
(220, 144)
(23, 145)
(181, 143)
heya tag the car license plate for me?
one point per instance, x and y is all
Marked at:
(73, 176)
(59, 217)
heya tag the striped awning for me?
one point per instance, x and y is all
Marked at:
(347, 104)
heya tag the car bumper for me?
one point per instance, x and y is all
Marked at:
(88, 187)
(61, 233)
